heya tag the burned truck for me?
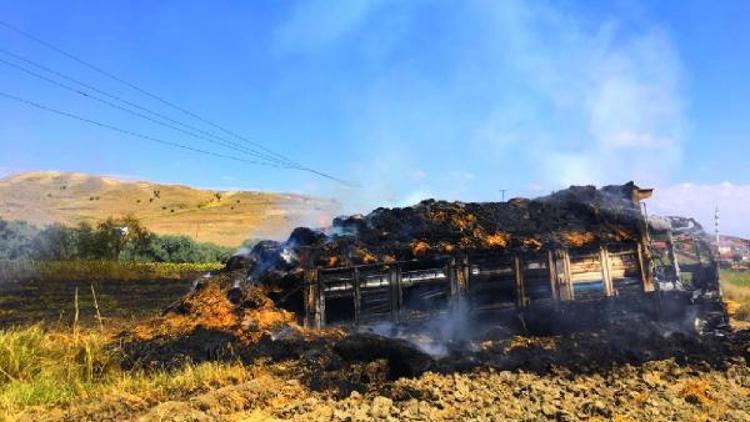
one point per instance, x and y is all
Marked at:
(581, 256)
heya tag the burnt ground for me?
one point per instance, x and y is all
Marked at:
(634, 369)
(623, 372)
(604, 375)
(52, 302)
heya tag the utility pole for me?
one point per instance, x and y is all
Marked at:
(502, 192)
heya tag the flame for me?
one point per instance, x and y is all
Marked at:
(365, 256)
(496, 240)
(446, 247)
(577, 239)
(419, 248)
(532, 243)
(332, 261)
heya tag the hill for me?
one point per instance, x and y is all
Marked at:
(222, 217)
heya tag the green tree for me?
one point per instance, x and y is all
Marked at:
(115, 239)
(56, 242)
(110, 239)
(86, 241)
(138, 238)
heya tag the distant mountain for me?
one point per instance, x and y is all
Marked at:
(223, 217)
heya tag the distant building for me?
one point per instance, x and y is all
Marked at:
(734, 251)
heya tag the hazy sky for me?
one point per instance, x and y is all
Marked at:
(407, 99)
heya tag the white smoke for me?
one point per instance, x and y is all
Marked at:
(700, 201)
(442, 333)
(619, 96)
(528, 92)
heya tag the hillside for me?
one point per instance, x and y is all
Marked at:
(222, 217)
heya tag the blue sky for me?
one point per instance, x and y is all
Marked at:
(407, 99)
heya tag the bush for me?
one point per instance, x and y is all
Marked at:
(111, 239)
(179, 249)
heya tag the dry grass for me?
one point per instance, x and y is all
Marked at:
(209, 307)
(696, 391)
(53, 368)
(227, 219)
(736, 289)
(17, 270)
(39, 367)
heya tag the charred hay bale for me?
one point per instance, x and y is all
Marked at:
(304, 236)
(237, 263)
(165, 352)
(404, 359)
(348, 225)
(576, 217)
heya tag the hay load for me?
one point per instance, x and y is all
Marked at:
(574, 217)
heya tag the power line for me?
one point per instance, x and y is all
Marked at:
(127, 132)
(135, 113)
(124, 101)
(160, 99)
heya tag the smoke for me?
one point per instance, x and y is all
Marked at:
(439, 336)
(700, 201)
(518, 93)
(618, 95)
(288, 255)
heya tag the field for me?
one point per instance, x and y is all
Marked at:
(23, 270)
(224, 218)
(42, 368)
(58, 322)
(56, 367)
(736, 289)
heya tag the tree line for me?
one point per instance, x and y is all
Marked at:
(112, 239)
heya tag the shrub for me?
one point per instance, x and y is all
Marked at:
(111, 239)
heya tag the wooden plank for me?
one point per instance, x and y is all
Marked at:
(644, 249)
(462, 277)
(606, 270)
(357, 297)
(644, 267)
(453, 283)
(518, 272)
(567, 279)
(321, 311)
(394, 285)
(313, 317)
(552, 276)
(399, 290)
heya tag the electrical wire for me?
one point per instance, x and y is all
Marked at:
(124, 101)
(240, 148)
(126, 131)
(162, 100)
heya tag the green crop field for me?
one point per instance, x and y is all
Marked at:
(735, 286)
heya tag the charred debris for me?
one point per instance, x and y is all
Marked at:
(581, 278)
(571, 260)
